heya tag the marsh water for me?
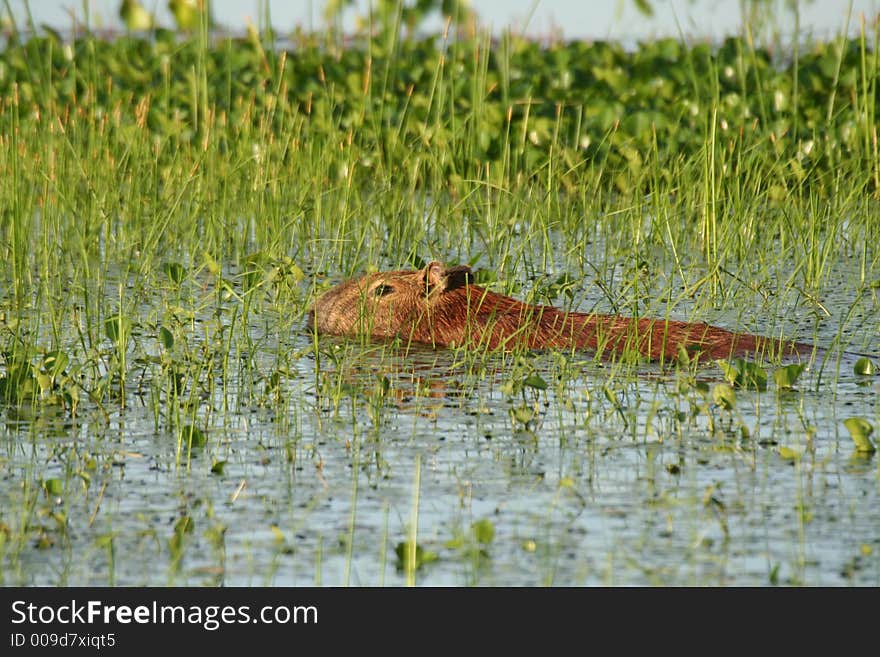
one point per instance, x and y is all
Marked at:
(322, 457)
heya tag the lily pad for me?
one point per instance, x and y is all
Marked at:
(860, 430)
(484, 531)
(785, 377)
(865, 366)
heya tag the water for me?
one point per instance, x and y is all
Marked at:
(613, 475)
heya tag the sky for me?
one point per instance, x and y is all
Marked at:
(591, 19)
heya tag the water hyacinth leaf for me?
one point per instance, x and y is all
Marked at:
(211, 264)
(860, 430)
(116, 326)
(731, 374)
(175, 272)
(535, 381)
(523, 414)
(484, 531)
(55, 363)
(724, 395)
(411, 553)
(19, 382)
(52, 487)
(292, 269)
(864, 366)
(744, 374)
(455, 543)
(644, 7)
(194, 436)
(753, 376)
(166, 338)
(45, 382)
(135, 16)
(105, 540)
(785, 377)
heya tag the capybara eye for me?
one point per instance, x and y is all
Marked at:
(382, 289)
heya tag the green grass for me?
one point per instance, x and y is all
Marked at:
(170, 206)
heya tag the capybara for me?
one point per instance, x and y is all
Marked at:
(443, 307)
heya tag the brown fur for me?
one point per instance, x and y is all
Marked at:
(442, 307)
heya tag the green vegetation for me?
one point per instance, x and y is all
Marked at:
(171, 202)
(149, 154)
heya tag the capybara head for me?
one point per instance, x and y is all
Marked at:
(389, 304)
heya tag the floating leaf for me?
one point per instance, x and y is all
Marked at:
(644, 7)
(55, 362)
(105, 540)
(290, 268)
(166, 338)
(409, 553)
(218, 467)
(785, 377)
(135, 16)
(523, 414)
(175, 271)
(724, 395)
(455, 543)
(484, 531)
(53, 487)
(753, 376)
(194, 436)
(210, 264)
(45, 382)
(860, 430)
(864, 366)
(744, 374)
(731, 374)
(20, 383)
(535, 381)
(683, 355)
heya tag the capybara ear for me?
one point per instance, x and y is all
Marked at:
(433, 275)
(438, 277)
